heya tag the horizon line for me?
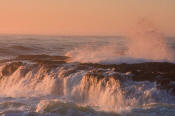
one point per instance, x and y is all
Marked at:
(63, 35)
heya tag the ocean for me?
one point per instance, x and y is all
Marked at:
(87, 75)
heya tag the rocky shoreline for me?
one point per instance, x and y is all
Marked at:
(163, 73)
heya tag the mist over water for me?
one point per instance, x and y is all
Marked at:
(148, 43)
(143, 43)
(41, 86)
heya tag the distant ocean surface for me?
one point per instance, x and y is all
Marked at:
(14, 45)
(86, 76)
(51, 45)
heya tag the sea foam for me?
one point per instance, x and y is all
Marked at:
(144, 43)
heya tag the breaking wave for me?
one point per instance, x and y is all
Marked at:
(77, 87)
(145, 43)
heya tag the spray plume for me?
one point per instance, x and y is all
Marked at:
(144, 43)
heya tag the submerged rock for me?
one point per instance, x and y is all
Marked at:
(41, 57)
(148, 71)
(10, 68)
(162, 73)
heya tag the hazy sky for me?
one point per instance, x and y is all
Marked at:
(83, 17)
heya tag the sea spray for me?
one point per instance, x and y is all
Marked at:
(103, 89)
(144, 43)
(40, 84)
(147, 42)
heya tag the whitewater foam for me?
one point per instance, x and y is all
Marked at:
(143, 44)
(101, 89)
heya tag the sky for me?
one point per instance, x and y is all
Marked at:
(84, 17)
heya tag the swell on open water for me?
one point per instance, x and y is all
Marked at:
(80, 76)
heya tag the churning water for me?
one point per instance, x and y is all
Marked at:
(64, 76)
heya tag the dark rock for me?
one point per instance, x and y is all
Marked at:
(42, 57)
(163, 73)
(11, 68)
(142, 71)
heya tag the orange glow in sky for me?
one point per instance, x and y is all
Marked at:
(83, 17)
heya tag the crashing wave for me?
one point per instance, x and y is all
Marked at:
(114, 88)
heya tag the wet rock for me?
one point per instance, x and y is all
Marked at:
(42, 57)
(162, 73)
(143, 71)
(11, 68)
(167, 84)
(46, 60)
